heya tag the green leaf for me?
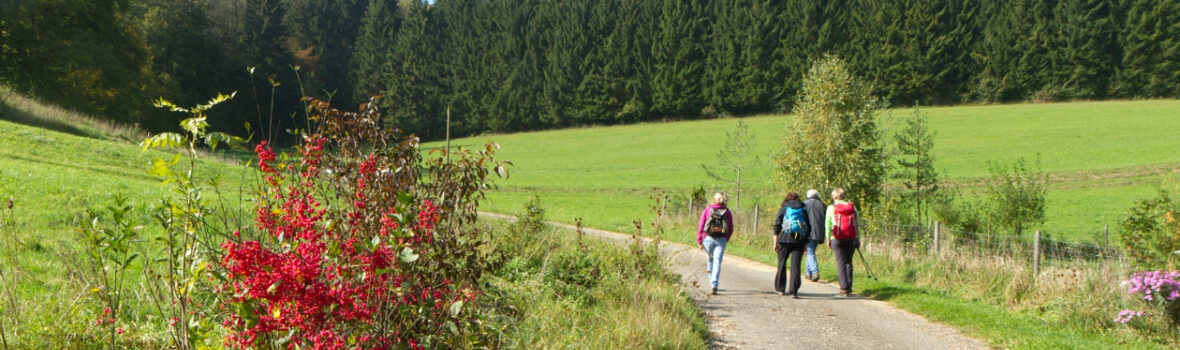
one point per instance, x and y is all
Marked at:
(405, 198)
(273, 287)
(408, 255)
(195, 125)
(165, 140)
(375, 241)
(456, 308)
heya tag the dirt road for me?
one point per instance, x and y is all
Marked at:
(748, 314)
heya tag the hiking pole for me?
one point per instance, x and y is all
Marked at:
(866, 262)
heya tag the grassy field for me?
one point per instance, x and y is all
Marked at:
(53, 179)
(1102, 156)
(535, 300)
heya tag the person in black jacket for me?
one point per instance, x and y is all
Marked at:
(815, 218)
(790, 236)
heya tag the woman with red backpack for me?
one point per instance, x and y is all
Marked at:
(713, 232)
(842, 228)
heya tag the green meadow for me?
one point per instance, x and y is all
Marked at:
(1102, 157)
(46, 299)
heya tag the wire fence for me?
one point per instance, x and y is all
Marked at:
(1031, 247)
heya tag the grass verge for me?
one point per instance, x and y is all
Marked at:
(559, 291)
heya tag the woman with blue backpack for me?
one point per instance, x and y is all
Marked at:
(713, 232)
(791, 233)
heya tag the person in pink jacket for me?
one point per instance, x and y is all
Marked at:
(714, 230)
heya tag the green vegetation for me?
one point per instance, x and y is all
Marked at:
(66, 217)
(54, 179)
(611, 176)
(1101, 158)
(561, 290)
(514, 66)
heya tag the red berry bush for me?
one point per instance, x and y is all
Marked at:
(359, 242)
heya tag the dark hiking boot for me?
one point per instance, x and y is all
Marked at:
(814, 277)
(845, 293)
(795, 296)
(714, 290)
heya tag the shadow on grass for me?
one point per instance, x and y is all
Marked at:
(19, 116)
(888, 292)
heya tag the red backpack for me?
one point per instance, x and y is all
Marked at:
(844, 222)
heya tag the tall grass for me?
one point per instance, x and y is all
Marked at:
(20, 109)
(558, 290)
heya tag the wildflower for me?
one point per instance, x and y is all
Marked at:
(1126, 316)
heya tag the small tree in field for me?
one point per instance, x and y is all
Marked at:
(737, 155)
(1151, 231)
(1017, 193)
(833, 140)
(916, 164)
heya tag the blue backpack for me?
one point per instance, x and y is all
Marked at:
(793, 220)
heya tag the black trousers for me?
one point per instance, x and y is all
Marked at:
(844, 249)
(794, 251)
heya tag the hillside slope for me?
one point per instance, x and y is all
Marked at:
(1102, 157)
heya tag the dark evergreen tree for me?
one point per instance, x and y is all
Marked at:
(1151, 50)
(374, 44)
(918, 51)
(324, 33)
(467, 35)
(1083, 50)
(1014, 50)
(810, 29)
(411, 91)
(679, 55)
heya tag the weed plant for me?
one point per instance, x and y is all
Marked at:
(557, 290)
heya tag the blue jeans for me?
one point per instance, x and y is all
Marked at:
(715, 249)
(812, 264)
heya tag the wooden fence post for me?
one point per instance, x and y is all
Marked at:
(1106, 235)
(689, 212)
(755, 229)
(935, 243)
(1036, 255)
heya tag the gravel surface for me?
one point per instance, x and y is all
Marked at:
(748, 314)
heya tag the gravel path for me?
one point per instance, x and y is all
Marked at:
(748, 314)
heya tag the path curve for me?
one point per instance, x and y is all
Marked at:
(748, 314)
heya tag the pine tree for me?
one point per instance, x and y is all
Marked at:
(1084, 48)
(324, 33)
(469, 67)
(810, 29)
(1013, 51)
(1151, 53)
(918, 50)
(374, 44)
(262, 37)
(915, 143)
(411, 91)
(678, 51)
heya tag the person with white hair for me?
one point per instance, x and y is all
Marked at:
(815, 218)
(713, 232)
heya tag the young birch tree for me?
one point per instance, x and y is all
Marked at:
(736, 156)
(833, 139)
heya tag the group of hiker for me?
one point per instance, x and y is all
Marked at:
(800, 226)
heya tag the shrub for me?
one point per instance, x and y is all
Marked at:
(360, 243)
(1151, 231)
